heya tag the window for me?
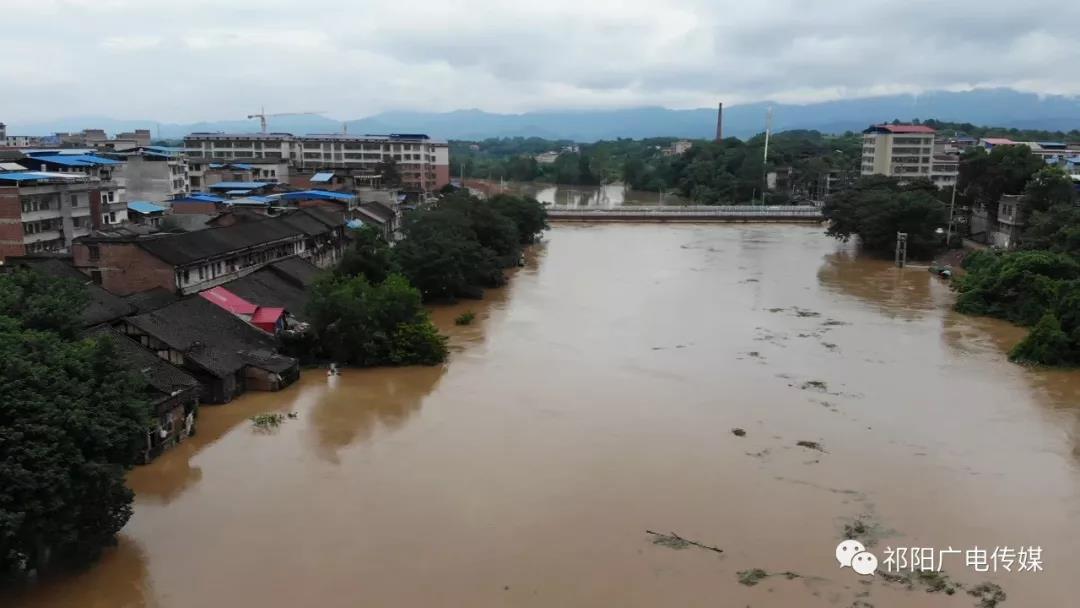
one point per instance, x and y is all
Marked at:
(112, 217)
(76, 222)
(94, 251)
(186, 277)
(95, 276)
(202, 272)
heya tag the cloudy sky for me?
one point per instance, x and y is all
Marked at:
(190, 60)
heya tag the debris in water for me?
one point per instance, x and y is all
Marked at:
(751, 577)
(674, 541)
(834, 323)
(775, 309)
(813, 445)
(829, 345)
(802, 312)
(738, 432)
(988, 594)
(268, 421)
(816, 385)
(754, 576)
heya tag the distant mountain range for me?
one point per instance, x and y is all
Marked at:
(988, 107)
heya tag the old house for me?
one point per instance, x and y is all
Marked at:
(191, 262)
(172, 394)
(224, 353)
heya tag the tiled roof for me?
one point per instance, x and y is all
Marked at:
(180, 249)
(151, 299)
(266, 287)
(296, 270)
(159, 374)
(101, 306)
(211, 337)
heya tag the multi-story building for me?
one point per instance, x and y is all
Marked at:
(46, 211)
(153, 173)
(205, 172)
(424, 163)
(944, 170)
(903, 151)
(189, 262)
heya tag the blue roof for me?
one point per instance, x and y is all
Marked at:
(239, 185)
(261, 199)
(354, 224)
(255, 201)
(145, 207)
(237, 192)
(322, 177)
(242, 166)
(75, 160)
(216, 165)
(318, 195)
(29, 176)
(200, 198)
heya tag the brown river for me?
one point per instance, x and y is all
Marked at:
(594, 399)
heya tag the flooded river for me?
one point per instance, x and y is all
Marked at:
(594, 399)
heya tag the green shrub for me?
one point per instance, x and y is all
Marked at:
(465, 318)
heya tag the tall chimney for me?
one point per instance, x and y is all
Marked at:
(720, 122)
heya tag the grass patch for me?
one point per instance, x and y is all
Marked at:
(465, 318)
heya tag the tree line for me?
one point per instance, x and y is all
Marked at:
(725, 172)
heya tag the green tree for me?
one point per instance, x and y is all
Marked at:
(528, 215)
(1047, 344)
(369, 256)
(71, 422)
(443, 258)
(1020, 287)
(363, 324)
(878, 207)
(389, 173)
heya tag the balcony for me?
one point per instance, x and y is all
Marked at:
(42, 214)
(44, 235)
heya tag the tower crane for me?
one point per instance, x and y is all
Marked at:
(262, 116)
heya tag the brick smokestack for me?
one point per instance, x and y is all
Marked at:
(720, 122)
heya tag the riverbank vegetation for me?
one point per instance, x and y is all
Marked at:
(70, 425)
(1039, 285)
(709, 173)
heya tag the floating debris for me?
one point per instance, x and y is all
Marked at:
(672, 540)
(988, 594)
(754, 576)
(813, 445)
(738, 432)
(816, 385)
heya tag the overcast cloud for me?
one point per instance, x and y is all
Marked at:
(217, 59)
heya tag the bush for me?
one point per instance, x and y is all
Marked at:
(1047, 344)
(465, 318)
(1020, 287)
(417, 343)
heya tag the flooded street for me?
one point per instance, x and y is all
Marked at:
(594, 399)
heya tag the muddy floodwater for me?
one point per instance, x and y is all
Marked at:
(594, 399)
(605, 196)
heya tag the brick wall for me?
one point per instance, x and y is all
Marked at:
(11, 230)
(195, 207)
(442, 176)
(125, 268)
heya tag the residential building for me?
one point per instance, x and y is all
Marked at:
(205, 172)
(423, 162)
(677, 147)
(903, 151)
(146, 213)
(113, 194)
(546, 158)
(282, 284)
(1003, 229)
(270, 319)
(171, 393)
(189, 262)
(945, 169)
(46, 211)
(226, 355)
(153, 173)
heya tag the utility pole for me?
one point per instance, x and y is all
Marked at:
(901, 249)
(952, 208)
(765, 156)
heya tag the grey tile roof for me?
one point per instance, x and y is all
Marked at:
(211, 337)
(162, 376)
(266, 287)
(296, 270)
(101, 306)
(180, 249)
(151, 299)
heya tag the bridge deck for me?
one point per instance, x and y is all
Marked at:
(699, 213)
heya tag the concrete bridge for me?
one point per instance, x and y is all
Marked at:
(697, 213)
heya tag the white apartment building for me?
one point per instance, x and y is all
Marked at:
(424, 163)
(898, 150)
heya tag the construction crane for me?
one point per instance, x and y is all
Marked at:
(262, 116)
